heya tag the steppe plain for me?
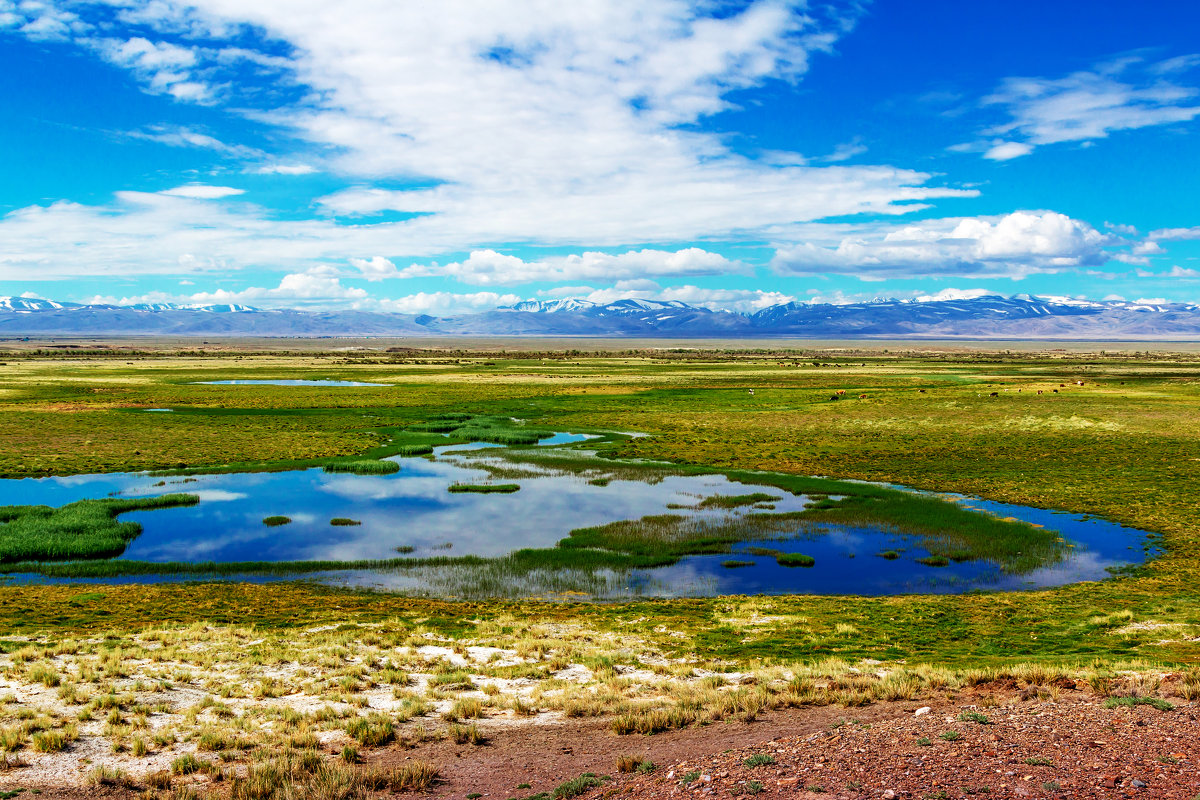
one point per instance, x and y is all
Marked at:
(292, 689)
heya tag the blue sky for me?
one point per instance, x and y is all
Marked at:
(450, 157)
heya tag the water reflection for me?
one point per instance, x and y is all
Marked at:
(412, 511)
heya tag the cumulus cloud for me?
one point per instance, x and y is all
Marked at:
(1010, 246)
(1124, 94)
(488, 267)
(563, 124)
(445, 303)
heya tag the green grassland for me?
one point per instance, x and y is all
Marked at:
(1124, 446)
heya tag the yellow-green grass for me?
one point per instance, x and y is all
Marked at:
(1125, 446)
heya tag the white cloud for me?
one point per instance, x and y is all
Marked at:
(199, 191)
(446, 303)
(1168, 234)
(1125, 94)
(845, 151)
(1011, 246)
(1121, 228)
(488, 267)
(1008, 150)
(1175, 272)
(566, 124)
(376, 268)
(284, 169)
(178, 136)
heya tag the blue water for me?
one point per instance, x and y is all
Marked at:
(288, 383)
(413, 509)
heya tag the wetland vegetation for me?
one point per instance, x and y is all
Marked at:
(263, 670)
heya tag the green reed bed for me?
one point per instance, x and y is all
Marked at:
(947, 530)
(483, 488)
(736, 501)
(83, 529)
(275, 520)
(501, 435)
(363, 467)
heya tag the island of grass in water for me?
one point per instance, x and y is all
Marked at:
(579, 525)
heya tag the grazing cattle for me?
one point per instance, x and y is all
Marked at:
(1054, 390)
(841, 392)
(1079, 383)
(1039, 391)
(922, 391)
(1062, 385)
(833, 397)
(862, 397)
(752, 393)
(994, 394)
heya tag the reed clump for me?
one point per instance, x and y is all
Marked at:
(363, 467)
(83, 529)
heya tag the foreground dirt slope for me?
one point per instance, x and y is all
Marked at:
(1072, 748)
(1069, 747)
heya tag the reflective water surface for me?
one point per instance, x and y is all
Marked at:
(411, 512)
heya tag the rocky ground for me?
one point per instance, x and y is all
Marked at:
(1074, 747)
(982, 744)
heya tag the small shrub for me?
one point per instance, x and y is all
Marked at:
(372, 731)
(974, 716)
(1156, 702)
(108, 776)
(466, 734)
(575, 786)
(759, 760)
(50, 741)
(950, 736)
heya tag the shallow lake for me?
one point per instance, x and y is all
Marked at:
(414, 509)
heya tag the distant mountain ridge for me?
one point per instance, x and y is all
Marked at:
(984, 317)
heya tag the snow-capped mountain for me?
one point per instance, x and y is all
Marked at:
(983, 317)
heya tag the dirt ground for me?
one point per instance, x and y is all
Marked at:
(985, 744)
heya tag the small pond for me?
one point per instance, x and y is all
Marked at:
(414, 513)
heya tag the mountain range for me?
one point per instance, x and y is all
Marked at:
(984, 317)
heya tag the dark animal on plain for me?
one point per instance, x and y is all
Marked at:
(833, 397)
(862, 397)
(1079, 383)
(922, 391)
(1039, 391)
(1054, 390)
(994, 394)
(752, 393)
